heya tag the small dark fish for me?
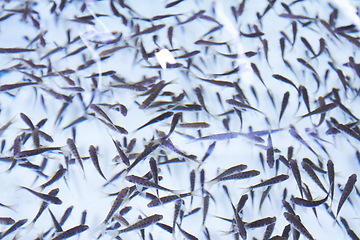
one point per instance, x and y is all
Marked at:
(307, 44)
(240, 175)
(122, 155)
(345, 129)
(313, 175)
(229, 171)
(208, 152)
(304, 93)
(117, 202)
(66, 215)
(143, 223)
(56, 223)
(186, 234)
(240, 104)
(188, 55)
(331, 175)
(252, 35)
(6, 221)
(257, 72)
(296, 223)
(98, 110)
(346, 192)
(270, 158)
(321, 109)
(205, 207)
(15, 50)
(293, 16)
(218, 82)
(209, 43)
(194, 125)
(149, 30)
(148, 149)
(157, 119)
(95, 160)
(167, 199)
(295, 169)
(71, 232)
(271, 181)
(171, 4)
(7, 87)
(261, 222)
(15, 226)
(27, 120)
(174, 122)
(303, 62)
(45, 197)
(154, 170)
(74, 151)
(296, 135)
(58, 175)
(264, 195)
(308, 203)
(284, 104)
(33, 152)
(146, 183)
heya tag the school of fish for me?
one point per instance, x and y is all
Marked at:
(179, 119)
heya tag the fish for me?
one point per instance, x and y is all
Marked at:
(308, 203)
(33, 152)
(6, 221)
(264, 195)
(154, 169)
(284, 104)
(270, 159)
(261, 222)
(66, 215)
(74, 151)
(174, 122)
(205, 207)
(155, 92)
(159, 118)
(120, 198)
(57, 176)
(13, 228)
(7, 87)
(331, 176)
(143, 223)
(147, 183)
(208, 152)
(194, 125)
(98, 110)
(56, 223)
(186, 234)
(313, 175)
(15, 50)
(149, 30)
(71, 232)
(229, 171)
(46, 197)
(295, 169)
(95, 160)
(167, 199)
(346, 192)
(296, 135)
(172, 4)
(148, 149)
(307, 45)
(296, 223)
(271, 181)
(240, 104)
(240, 175)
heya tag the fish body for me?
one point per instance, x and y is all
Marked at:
(143, 223)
